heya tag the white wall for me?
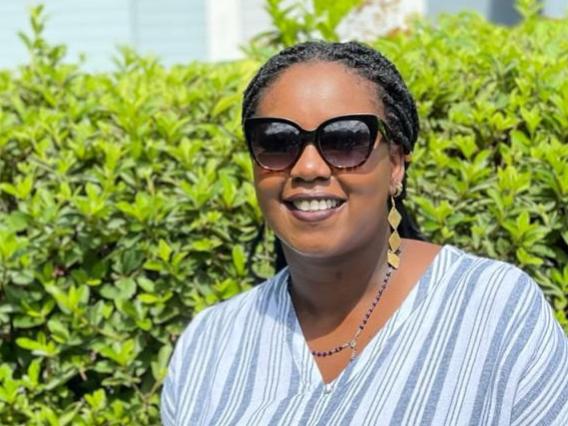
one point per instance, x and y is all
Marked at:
(175, 30)
(93, 27)
(556, 8)
(231, 24)
(224, 29)
(254, 18)
(12, 19)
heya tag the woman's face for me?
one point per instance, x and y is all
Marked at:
(308, 94)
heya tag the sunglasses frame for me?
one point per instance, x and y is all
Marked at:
(374, 123)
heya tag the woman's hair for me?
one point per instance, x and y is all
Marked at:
(399, 107)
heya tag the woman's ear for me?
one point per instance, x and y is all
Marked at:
(397, 167)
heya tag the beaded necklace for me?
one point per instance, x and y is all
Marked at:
(352, 343)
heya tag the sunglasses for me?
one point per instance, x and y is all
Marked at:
(343, 142)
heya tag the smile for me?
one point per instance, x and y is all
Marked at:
(315, 205)
(314, 209)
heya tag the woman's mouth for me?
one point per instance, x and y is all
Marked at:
(313, 210)
(315, 205)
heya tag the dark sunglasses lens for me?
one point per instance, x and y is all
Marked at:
(274, 145)
(345, 143)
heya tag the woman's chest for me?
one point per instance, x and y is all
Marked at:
(409, 379)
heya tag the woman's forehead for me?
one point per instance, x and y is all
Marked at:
(318, 90)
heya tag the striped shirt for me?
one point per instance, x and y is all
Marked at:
(474, 343)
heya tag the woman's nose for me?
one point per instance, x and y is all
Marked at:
(310, 165)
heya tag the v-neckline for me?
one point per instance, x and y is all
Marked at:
(310, 374)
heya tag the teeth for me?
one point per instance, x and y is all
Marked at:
(315, 205)
(302, 205)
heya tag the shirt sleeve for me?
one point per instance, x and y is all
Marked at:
(167, 405)
(542, 392)
(170, 391)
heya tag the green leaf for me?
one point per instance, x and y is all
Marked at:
(239, 259)
(122, 289)
(532, 118)
(39, 347)
(164, 251)
(131, 260)
(160, 365)
(204, 245)
(97, 400)
(335, 11)
(527, 259)
(17, 221)
(146, 284)
(225, 103)
(59, 331)
(23, 321)
(33, 374)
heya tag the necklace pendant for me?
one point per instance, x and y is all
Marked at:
(353, 354)
(353, 344)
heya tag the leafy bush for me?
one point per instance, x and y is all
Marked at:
(126, 202)
(126, 205)
(491, 168)
(302, 21)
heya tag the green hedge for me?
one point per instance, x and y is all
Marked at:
(126, 202)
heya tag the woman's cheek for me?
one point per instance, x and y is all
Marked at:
(268, 192)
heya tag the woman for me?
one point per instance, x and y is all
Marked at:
(361, 327)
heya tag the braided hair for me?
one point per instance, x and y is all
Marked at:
(399, 107)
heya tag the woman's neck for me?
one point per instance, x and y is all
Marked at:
(332, 288)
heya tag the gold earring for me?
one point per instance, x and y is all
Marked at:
(394, 219)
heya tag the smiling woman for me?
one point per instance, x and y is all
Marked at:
(360, 326)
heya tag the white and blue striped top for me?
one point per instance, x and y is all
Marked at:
(474, 343)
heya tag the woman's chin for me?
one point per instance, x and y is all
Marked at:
(324, 249)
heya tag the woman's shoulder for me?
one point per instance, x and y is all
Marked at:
(479, 283)
(462, 265)
(499, 287)
(422, 259)
(497, 297)
(473, 267)
(455, 267)
(239, 309)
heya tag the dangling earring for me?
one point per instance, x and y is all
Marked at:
(394, 219)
